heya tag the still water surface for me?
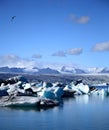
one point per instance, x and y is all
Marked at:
(79, 113)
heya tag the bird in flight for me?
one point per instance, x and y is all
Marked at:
(12, 18)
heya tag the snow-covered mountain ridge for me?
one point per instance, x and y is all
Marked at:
(62, 70)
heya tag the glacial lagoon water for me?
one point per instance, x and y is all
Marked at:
(79, 113)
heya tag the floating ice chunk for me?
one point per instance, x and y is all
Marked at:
(83, 88)
(27, 86)
(58, 92)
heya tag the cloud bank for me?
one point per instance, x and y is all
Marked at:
(11, 60)
(101, 47)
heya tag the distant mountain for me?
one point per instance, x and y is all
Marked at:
(11, 70)
(63, 70)
(33, 70)
(93, 70)
(47, 71)
(105, 70)
(72, 70)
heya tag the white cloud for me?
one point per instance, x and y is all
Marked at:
(59, 53)
(37, 56)
(80, 20)
(74, 51)
(11, 60)
(100, 47)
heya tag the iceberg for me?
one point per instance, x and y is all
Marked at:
(26, 101)
(77, 88)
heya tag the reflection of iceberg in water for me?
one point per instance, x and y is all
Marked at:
(100, 93)
(26, 109)
(85, 99)
(82, 99)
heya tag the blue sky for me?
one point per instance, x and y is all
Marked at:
(54, 33)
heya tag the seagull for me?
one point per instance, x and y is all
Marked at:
(12, 18)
